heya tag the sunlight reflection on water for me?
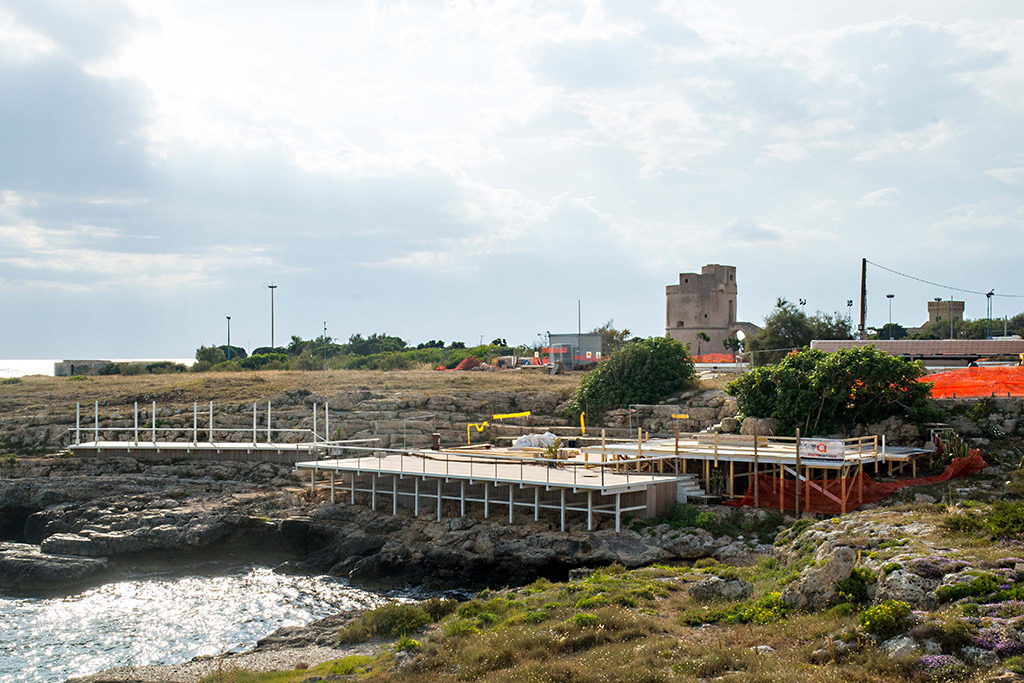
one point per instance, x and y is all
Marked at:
(160, 620)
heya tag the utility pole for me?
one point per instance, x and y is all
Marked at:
(889, 297)
(863, 297)
(229, 336)
(325, 346)
(988, 318)
(271, 287)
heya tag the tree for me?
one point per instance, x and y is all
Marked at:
(499, 342)
(825, 393)
(611, 339)
(788, 328)
(890, 331)
(375, 343)
(732, 344)
(643, 371)
(701, 338)
(210, 354)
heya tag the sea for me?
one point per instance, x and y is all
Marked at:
(162, 619)
(22, 367)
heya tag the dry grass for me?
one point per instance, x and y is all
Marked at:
(37, 393)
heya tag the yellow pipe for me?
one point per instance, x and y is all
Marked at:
(502, 417)
(479, 428)
(583, 426)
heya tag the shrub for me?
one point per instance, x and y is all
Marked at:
(583, 620)
(644, 371)
(855, 588)
(407, 644)
(978, 587)
(943, 668)
(387, 621)
(438, 608)
(887, 619)
(1006, 519)
(683, 514)
(460, 627)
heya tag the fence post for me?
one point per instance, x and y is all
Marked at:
(97, 424)
(154, 423)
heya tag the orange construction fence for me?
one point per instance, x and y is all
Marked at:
(826, 496)
(715, 358)
(978, 382)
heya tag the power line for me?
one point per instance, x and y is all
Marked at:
(946, 287)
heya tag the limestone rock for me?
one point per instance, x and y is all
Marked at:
(908, 587)
(815, 589)
(25, 567)
(717, 588)
(761, 426)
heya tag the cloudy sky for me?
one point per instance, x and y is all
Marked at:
(464, 170)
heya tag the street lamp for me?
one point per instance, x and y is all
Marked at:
(849, 312)
(325, 346)
(803, 302)
(988, 320)
(229, 336)
(890, 297)
(271, 287)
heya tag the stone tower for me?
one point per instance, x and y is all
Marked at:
(704, 302)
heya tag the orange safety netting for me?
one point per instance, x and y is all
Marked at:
(977, 382)
(826, 496)
(715, 358)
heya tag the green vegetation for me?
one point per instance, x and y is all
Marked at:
(788, 328)
(644, 371)
(887, 619)
(375, 352)
(347, 666)
(387, 621)
(825, 393)
(1004, 520)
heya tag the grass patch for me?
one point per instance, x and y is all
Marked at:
(391, 620)
(355, 664)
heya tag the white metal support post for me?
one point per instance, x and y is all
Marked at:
(618, 508)
(536, 503)
(211, 423)
(462, 498)
(394, 495)
(78, 423)
(352, 500)
(439, 499)
(332, 487)
(373, 492)
(511, 503)
(327, 421)
(316, 434)
(487, 500)
(254, 424)
(562, 509)
(136, 423)
(154, 423)
(268, 420)
(416, 497)
(195, 422)
(590, 510)
(96, 424)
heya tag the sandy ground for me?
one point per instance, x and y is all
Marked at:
(197, 669)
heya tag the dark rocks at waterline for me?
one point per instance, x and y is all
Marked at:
(24, 567)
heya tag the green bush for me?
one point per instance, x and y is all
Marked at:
(826, 393)
(854, 589)
(387, 621)
(584, 620)
(643, 371)
(438, 608)
(1006, 519)
(887, 619)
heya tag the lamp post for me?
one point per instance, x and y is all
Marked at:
(229, 336)
(849, 312)
(325, 346)
(271, 287)
(803, 302)
(890, 297)
(988, 318)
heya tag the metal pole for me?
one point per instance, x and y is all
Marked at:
(211, 422)
(327, 421)
(268, 420)
(78, 423)
(862, 330)
(154, 423)
(229, 336)
(254, 423)
(272, 287)
(96, 424)
(195, 422)
(315, 434)
(136, 423)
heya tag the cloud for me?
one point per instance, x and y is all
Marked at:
(881, 197)
(1010, 176)
(749, 231)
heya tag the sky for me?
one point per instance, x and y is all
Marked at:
(466, 171)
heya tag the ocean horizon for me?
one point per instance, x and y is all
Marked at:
(23, 367)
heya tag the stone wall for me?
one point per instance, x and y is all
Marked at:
(397, 418)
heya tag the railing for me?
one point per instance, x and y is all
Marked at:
(487, 466)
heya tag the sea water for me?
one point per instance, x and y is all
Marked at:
(160, 620)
